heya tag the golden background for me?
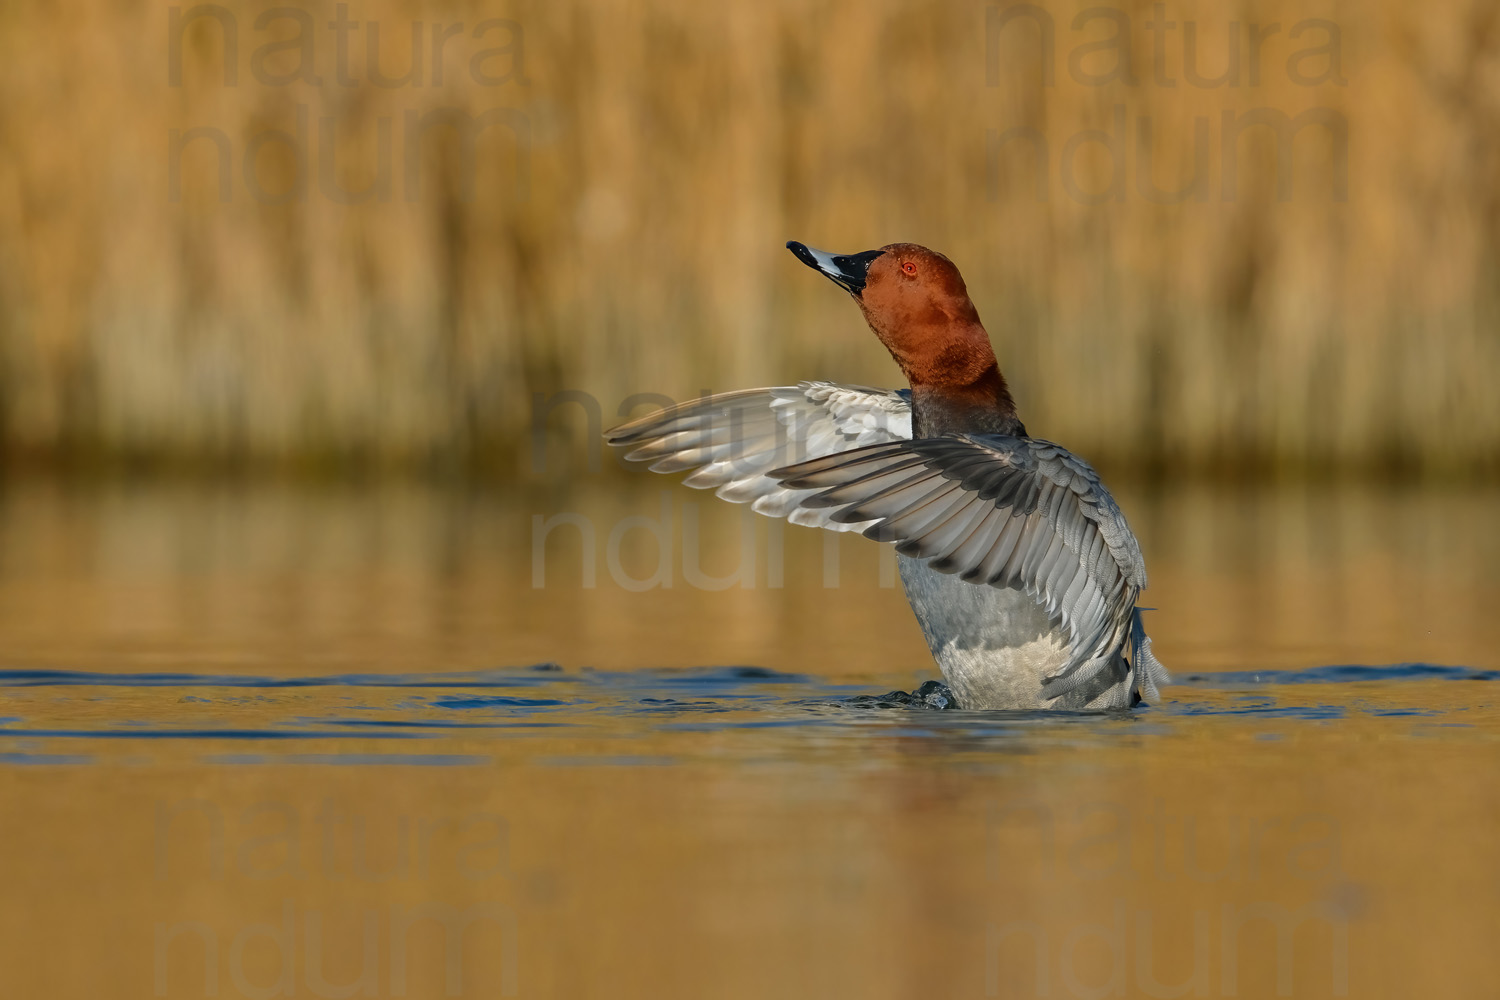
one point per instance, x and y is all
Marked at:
(622, 227)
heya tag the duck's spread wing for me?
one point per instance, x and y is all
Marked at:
(1007, 512)
(732, 440)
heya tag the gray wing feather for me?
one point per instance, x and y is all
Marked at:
(733, 439)
(1008, 512)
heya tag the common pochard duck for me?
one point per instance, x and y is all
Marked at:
(1016, 560)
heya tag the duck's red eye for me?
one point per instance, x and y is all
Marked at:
(909, 267)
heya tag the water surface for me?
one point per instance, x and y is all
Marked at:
(267, 739)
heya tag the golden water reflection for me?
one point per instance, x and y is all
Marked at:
(405, 577)
(749, 837)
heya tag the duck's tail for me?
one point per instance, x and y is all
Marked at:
(1147, 672)
(1122, 679)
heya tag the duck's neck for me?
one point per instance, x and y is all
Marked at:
(956, 385)
(963, 396)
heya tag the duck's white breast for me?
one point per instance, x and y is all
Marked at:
(995, 646)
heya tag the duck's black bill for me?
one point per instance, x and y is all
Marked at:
(845, 270)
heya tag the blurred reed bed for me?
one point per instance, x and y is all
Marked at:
(646, 163)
